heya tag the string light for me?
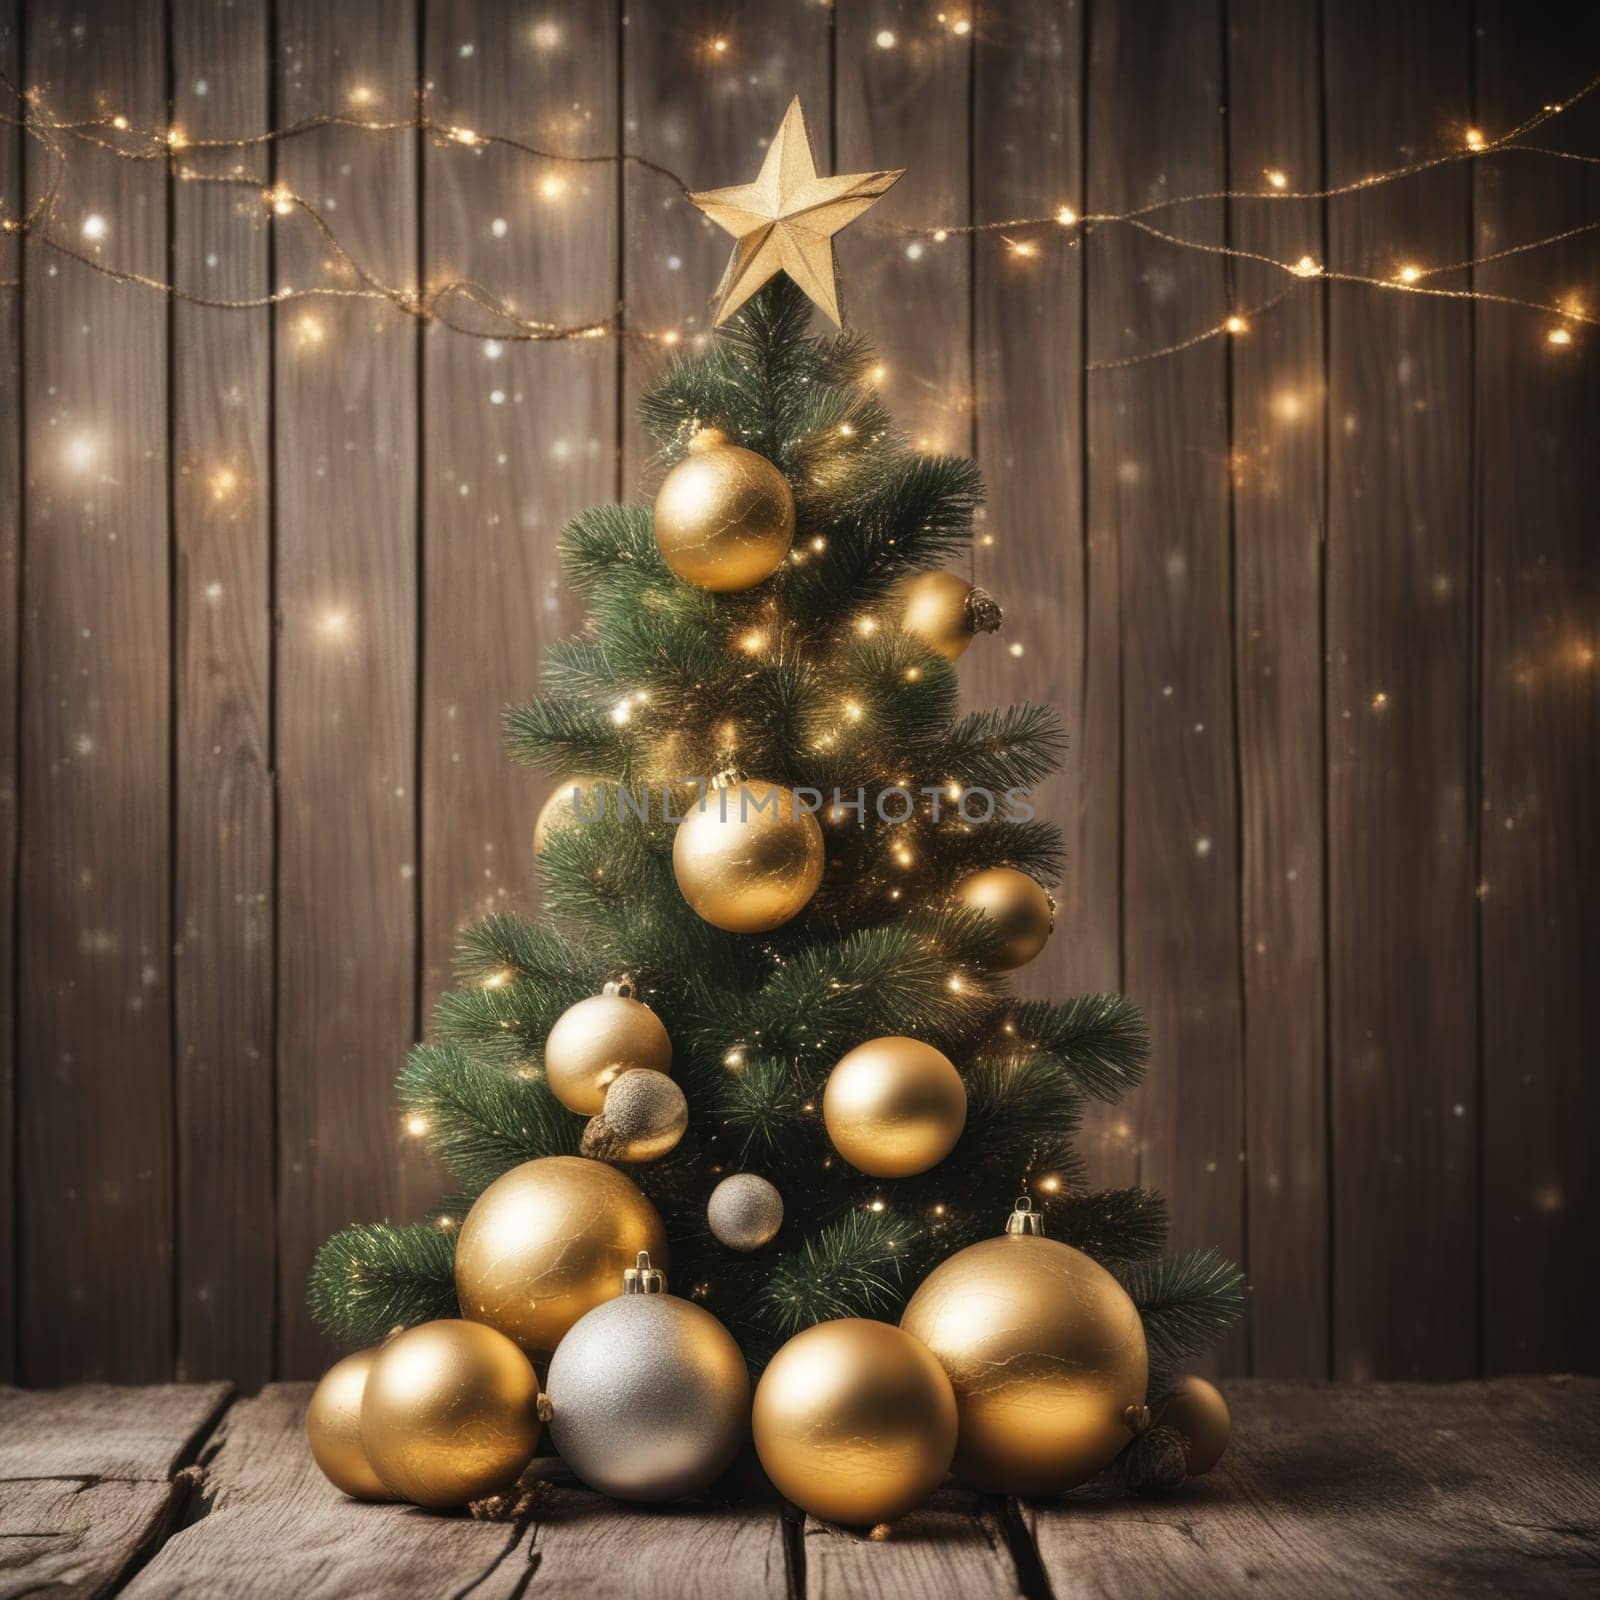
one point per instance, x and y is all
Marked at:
(1409, 274)
(224, 481)
(1236, 324)
(440, 301)
(94, 227)
(416, 1125)
(885, 39)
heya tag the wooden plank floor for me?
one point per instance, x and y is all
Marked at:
(1327, 1491)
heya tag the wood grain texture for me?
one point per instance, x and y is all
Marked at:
(347, 584)
(89, 1477)
(222, 497)
(264, 1516)
(1158, 486)
(519, 436)
(910, 294)
(95, 1110)
(1540, 595)
(1031, 551)
(953, 1545)
(709, 116)
(1465, 1489)
(11, 205)
(1401, 957)
(1277, 459)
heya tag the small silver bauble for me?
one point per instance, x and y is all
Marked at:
(745, 1212)
(648, 1396)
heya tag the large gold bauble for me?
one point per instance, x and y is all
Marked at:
(333, 1428)
(894, 1107)
(649, 1395)
(946, 612)
(749, 857)
(547, 1242)
(1023, 911)
(1046, 1353)
(598, 1040)
(561, 810)
(855, 1421)
(450, 1413)
(1197, 1412)
(724, 516)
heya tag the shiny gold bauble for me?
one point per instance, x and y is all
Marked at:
(946, 612)
(1046, 1353)
(547, 1242)
(854, 1421)
(649, 1396)
(333, 1428)
(596, 1041)
(1197, 1412)
(724, 516)
(560, 810)
(894, 1107)
(1023, 911)
(450, 1413)
(749, 857)
(644, 1116)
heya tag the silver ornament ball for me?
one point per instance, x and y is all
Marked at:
(745, 1212)
(649, 1396)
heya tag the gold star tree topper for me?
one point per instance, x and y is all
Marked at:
(785, 221)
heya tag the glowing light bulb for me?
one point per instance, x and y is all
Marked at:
(846, 430)
(334, 622)
(497, 979)
(79, 452)
(224, 481)
(622, 712)
(552, 186)
(878, 373)
(853, 710)
(1050, 1184)
(1236, 324)
(464, 135)
(1380, 701)
(866, 626)
(719, 46)
(309, 332)
(753, 642)
(1475, 140)
(1277, 178)
(120, 124)
(416, 1125)
(280, 199)
(94, 227)
(1021, 247)
(671, 337)
(360, 95)
(177, 139)
(1560, 337)
(1409, 274)
(1066, 216)
(1305, 267)
(875, 1205)
(885, 40)
(545, 35)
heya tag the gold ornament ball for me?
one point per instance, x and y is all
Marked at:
(855, 1421)
(1046, 1353)
(894, 1107)
(596, 1041)
(749, 857)
(560, 810)
(1199, 1414)
(946, 612)
(644, 1116)
(724, 516)
(649, 1396)
(333, 1428)
(548, 1241)
(450, 1413)
(1022, 909)
(745, 1212)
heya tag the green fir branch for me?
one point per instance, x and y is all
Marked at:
(377, 1276)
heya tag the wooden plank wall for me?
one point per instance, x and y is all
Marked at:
(1320, 603)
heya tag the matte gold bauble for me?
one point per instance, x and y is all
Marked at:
(644, 1116)
(724, 516)
(1197, 1412)
(333, 1428)
(749, 857)
(596, 1041)
(548, 1241)
(1045, 1351)
(855, 1421)
(450, 1413)
(1023, 911)
(561, 810)
(894, 1107)
(649, 1397)
(946, 612)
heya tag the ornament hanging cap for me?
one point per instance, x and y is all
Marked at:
(623, 986)
(983, 611)
(644, 1279)
(1024, 1219)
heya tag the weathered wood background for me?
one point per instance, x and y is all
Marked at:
(1320, 604)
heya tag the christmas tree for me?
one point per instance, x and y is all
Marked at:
(821, 679)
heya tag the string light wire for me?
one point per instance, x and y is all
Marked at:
(444, 303)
